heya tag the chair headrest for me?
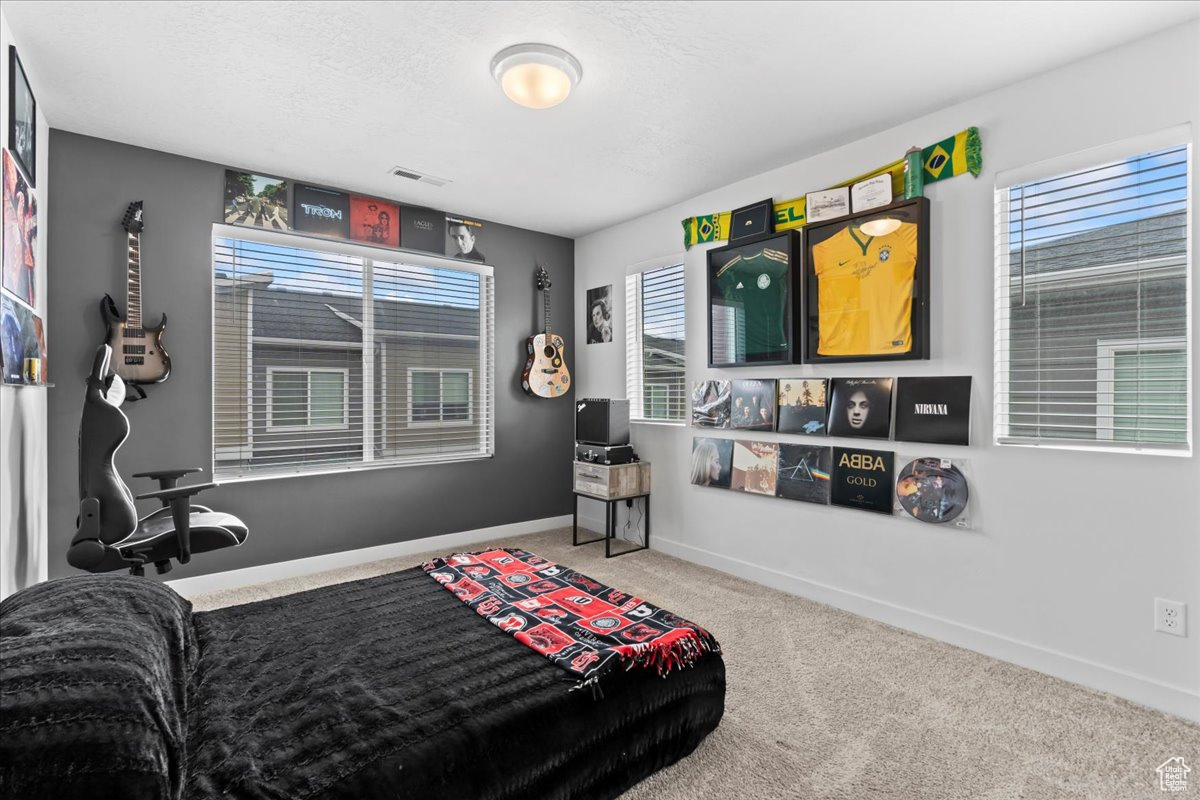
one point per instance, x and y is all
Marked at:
(109, 384)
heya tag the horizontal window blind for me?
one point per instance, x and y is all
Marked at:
(1092, 344)
(331, 356)
(654, 344)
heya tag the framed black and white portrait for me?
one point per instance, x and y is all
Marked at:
(599, 314)
(22, 117)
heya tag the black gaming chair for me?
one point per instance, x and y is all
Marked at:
(109, 534)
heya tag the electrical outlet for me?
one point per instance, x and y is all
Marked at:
(1170, 616)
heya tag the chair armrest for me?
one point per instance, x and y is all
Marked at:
(167, 495)
(167, 478)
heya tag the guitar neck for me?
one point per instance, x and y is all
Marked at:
(133, 300)
(546, 309)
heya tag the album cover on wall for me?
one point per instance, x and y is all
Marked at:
(321, 211)
(463, 239)
(22, 119)
(711, 403)
(755, 467)
(374, 221)
(804, 472)
(802, 405)
(256, 200)
(599, 318)
(712, 461)
(22, 344)
(933, 490)
(862, 479)
(423, 229)
(20, 234)
(860, 407)
(934, 410)
(753, 405)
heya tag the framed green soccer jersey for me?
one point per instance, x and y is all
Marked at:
(751, 302)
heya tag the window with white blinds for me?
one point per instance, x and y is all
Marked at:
(332, 356)
(654, 349)
(1093, 344)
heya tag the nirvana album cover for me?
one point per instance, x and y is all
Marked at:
(802, 405)
(464, 239)
(374, 221)
(321, 211)
(934, 410)
(862, 479)
(804, 472)
(712, 461)
(932, 490)
(710, 404)
(754, 405)
(861, 407)
(755, 465)
(423, 229)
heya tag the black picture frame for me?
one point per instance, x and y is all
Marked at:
(913, 211)
(772, 314)
(756, 219)
(26, 157)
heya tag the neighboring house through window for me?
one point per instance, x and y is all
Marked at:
(654, 343)
(298, 397)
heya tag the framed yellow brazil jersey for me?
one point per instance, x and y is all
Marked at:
(867, 289)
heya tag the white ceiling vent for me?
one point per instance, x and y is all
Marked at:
(419, 177)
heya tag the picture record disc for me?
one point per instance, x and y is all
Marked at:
(931, 492)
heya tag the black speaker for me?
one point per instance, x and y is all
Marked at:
(602, 422)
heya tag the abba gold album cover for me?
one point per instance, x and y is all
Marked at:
(712, 461)
(861, 407)
(753, 405)
(804, 473)
(802, 405)
(862, 479)
(755, 466)
(932, 490)
(711, 403)
(936, 410)
(256, 200)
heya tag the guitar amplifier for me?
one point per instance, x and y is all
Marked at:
(595, 454)
(602, 422)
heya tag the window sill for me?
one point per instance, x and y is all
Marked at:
(659, 422)
(358, 466)
(1098, 447)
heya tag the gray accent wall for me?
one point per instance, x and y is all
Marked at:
(93, 180)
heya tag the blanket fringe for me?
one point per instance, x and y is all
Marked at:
(680, 653)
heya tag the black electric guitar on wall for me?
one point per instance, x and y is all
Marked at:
(545, 374)
(138, 354)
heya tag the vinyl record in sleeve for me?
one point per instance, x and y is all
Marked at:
(932, 490)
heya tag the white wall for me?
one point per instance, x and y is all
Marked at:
(1072, 547)
(23, 410)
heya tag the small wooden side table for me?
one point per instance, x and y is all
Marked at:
(610, 485)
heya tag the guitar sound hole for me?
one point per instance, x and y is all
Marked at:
(549, 351)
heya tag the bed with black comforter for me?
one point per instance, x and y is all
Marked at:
(390, 687)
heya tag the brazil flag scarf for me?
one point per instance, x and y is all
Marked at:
(952, 156)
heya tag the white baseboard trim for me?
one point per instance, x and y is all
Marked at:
(1176, 700)
(232, 579)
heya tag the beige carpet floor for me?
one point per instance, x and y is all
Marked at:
(838, 706)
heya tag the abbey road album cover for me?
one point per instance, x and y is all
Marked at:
(755, 465)
(802, 405)
(754, 404)
(258, 200)
(934, 410)
(804, 472)
(862, 479)
(861, 407)
(710, 404)
(712, 461)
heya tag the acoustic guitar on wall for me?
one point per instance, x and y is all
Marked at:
(138, 354)
(545, 373)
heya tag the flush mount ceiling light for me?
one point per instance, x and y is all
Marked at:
(536, 75)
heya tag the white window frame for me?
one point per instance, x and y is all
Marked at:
(443, 423)
(272, 427)
(1106, 369)
(1180, 135)
(486, 362)
(635, 380)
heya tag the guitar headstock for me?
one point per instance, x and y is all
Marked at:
(132, 221)
(543, 279)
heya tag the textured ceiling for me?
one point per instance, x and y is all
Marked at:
(676, 98)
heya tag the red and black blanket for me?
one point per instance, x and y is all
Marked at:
(580, 624)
